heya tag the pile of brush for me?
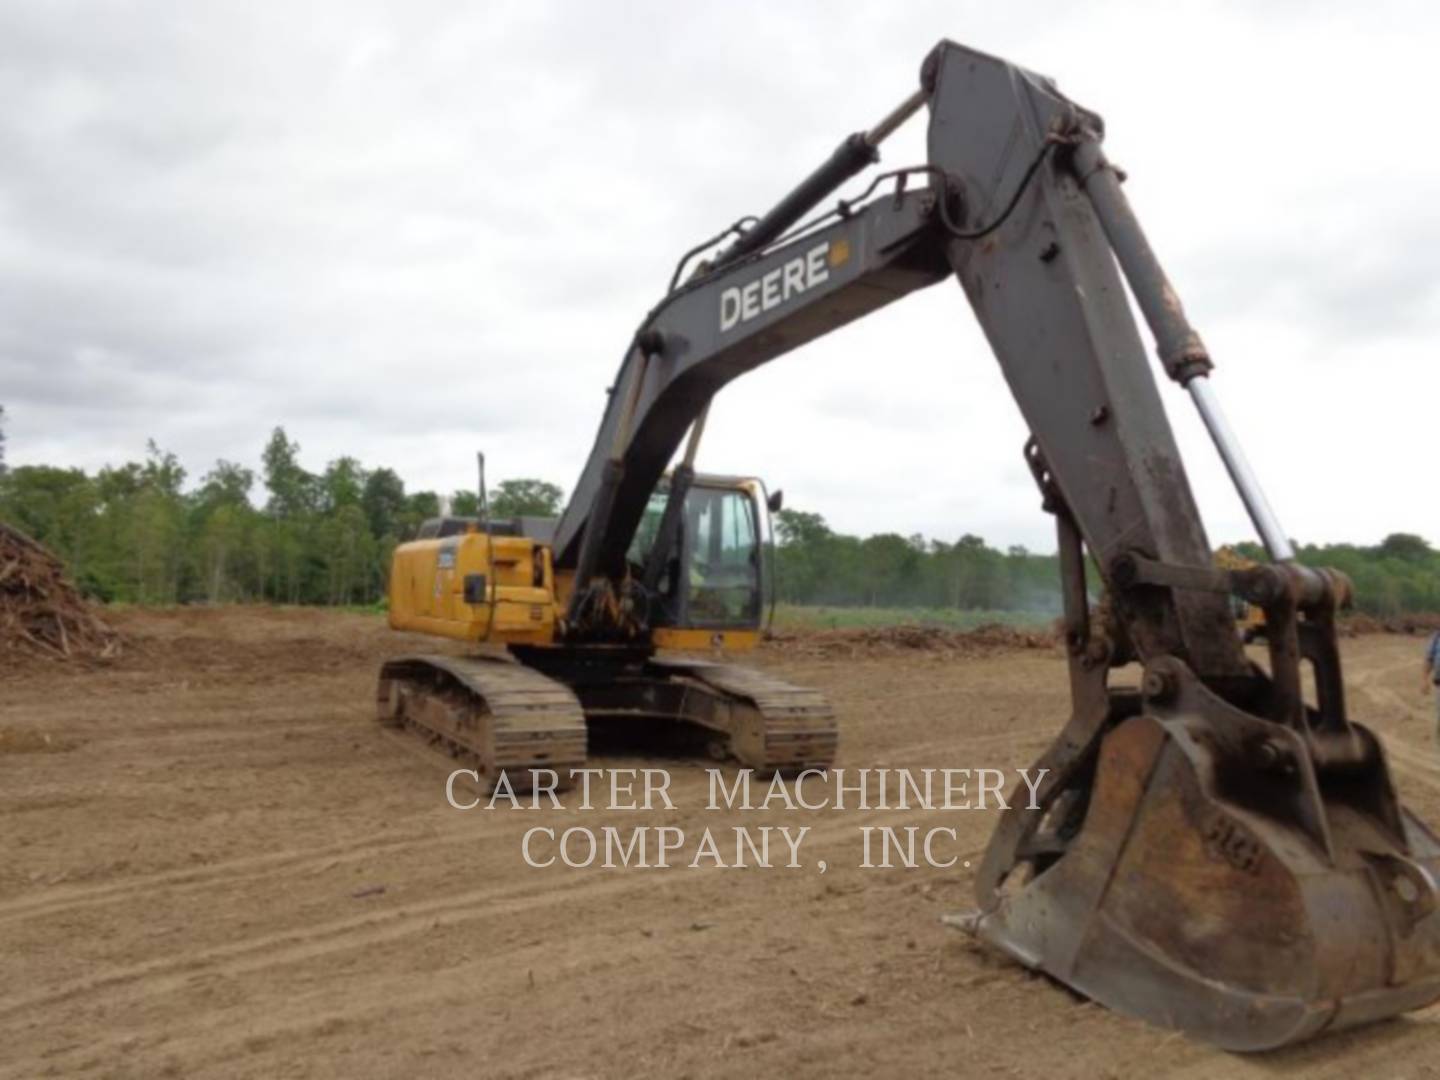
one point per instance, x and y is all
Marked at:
(41, 613)
(892, 640)
(1419, 622)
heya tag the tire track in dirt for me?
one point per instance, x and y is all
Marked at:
(265, 951)
(956, 748)
(179, 736)
(1364, 682)
(217, 1038)
(377, 996)
(213, 875)
(229, 872)
(260, 952)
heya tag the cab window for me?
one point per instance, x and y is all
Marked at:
(649, 526)
(723, 553)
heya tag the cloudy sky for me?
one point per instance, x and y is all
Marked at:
(406, 231)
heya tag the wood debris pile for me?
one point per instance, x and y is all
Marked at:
(41, 613)
(891, 640)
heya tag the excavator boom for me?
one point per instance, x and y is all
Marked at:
(1209, 849)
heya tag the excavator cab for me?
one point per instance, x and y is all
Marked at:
(719, 573)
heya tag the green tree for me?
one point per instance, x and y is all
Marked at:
(383, 500)
(293, 491)
(424, 504)
(223, 522)
(141, 524)
(342, 485)
(347, 554)
(891, 568)
(222, 540)
(801, 555)
(161, 471)
(227, 484)
(1406, 546)
(419, 506)
(286, 541)
(57, 507)
(973, 573)
(531, 497)
(799, 527)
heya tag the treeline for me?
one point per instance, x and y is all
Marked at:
(815, 565)
(134, 533)
(1398, 576)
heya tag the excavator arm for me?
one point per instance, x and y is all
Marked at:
(721, 325)
(1003, 153)
(1211, 849)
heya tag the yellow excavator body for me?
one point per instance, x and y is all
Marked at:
(510, 596)
(492, 584)
(520, 602)
(526, 702)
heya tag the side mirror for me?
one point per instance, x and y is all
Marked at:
(776, 502)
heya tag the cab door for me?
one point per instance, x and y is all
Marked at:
(721, 555)
(717, 574)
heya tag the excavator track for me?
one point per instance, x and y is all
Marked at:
(497, 714)
(768, 723)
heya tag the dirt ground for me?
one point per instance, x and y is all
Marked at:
(213, 862)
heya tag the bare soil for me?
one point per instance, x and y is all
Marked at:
(214, 863)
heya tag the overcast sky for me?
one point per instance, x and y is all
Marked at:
(407, 231)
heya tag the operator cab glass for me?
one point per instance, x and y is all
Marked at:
(723, 557)
(721, 554)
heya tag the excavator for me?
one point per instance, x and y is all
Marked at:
(1216, 846)
(525, 709)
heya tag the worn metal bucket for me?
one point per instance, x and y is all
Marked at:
(1215, 873)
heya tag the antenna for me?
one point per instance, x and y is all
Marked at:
(484, 496)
